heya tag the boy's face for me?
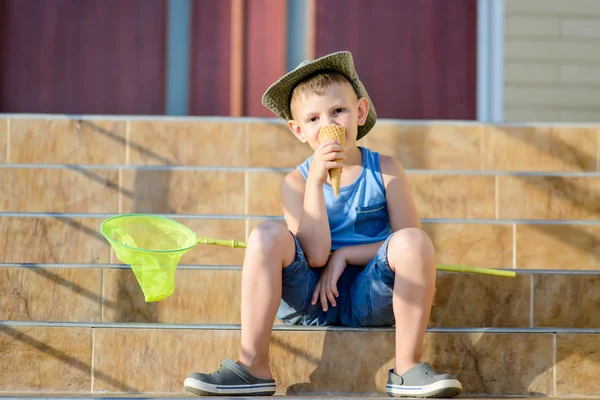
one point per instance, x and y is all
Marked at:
(337, 106)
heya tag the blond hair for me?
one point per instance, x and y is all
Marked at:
(318, 83)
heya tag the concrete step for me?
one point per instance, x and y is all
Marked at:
(151, 358)
(518, 244)
(255, 142)
(211, 295)
(255, 191)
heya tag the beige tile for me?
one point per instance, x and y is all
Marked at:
(60, 141)
(204, 143)
(59, 190)
(548, 197)
(182, 192)
(273, 145)
(200, 297)
(539, 148)
(473, 245)
(3, 139)
(577, 365)
(52, 240)
(429, 147)
(470, 300)
(321, 363)
(263, 193)
(50, 294)
(568, 301)
(142, 357)
(53, 359)
(453, 196)
(495, 364)
(572, 247)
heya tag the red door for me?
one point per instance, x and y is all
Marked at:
(417, 58)
(82, 56)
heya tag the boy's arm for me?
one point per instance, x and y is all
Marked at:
(306, 216)
(401, 206)
(401, 209)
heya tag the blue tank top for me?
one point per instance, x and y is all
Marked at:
(359, 214)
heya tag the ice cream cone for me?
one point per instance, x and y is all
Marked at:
(334, 132)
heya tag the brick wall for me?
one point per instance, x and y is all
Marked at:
(552, 60)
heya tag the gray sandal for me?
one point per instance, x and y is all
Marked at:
(229, 380)
(422, 381)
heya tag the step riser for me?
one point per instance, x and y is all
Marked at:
(268, 143)
(154, 360)
(233, 192)
(213, 297)
(522, 246)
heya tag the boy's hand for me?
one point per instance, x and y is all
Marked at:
(326, 288)
(324, 159)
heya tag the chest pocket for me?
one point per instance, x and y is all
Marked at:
(371, 220)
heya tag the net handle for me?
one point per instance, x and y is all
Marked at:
(439, 267)
(221, 242)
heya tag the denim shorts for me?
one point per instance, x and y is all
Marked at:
(365, 299)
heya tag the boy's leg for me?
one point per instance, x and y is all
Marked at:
(411, 258)
(270, 248)
(398, 285)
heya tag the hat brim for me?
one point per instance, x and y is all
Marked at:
(277, 96)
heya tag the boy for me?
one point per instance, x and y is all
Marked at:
(359, 259)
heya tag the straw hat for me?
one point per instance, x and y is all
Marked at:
(278, 95)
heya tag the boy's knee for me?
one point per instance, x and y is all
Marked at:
(268, 235)
(412, 242)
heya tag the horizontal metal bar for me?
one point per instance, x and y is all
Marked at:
(106, 215)
(40, 395)
(380, 121)
(113, 266)
(511, 221)
(200, 168)
(104, 395)
(203, 267)
(162, 118)
(280, 218)
(297, 328)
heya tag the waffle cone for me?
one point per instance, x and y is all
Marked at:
(334, 132)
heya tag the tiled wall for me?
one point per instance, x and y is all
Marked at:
(232, 168)
(220, 177)
(552, 60)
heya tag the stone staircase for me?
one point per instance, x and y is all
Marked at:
(74, 322)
